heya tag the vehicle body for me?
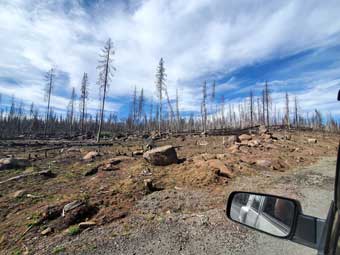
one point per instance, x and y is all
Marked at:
(255, 213)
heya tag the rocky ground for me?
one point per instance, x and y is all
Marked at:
(112, 200)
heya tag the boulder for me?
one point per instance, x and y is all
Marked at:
(220, 168)
(244, 137)
(75, 212)
(234, 148)
(245, 142)
(232, 139)
(312, 140)
(264, 162)
(91, 155)
(263, 130)
(13, 163)
(253, 143)
(161, 156)
(267, 136)
(52, 212)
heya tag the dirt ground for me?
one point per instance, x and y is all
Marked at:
(125, 215)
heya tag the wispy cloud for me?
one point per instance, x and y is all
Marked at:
(198, 39)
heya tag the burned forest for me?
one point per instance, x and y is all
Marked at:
(124, 128)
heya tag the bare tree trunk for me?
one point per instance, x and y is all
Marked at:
(204, 106)
(172, 115)
(48, 91)
(287, 117)
(104, 79)
(296, 114)
(177, 112)
(251, 108)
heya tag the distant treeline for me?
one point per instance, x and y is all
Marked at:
(161, 116)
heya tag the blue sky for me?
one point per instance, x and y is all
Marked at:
(293, 44)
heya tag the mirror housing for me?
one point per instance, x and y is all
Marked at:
(303, 229)
(270, 214)
(339, 95)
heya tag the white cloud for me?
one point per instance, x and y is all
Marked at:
(197, 38)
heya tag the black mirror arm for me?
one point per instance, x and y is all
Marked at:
(312, 231)
(308, 230)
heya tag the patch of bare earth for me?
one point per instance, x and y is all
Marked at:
(110, 199)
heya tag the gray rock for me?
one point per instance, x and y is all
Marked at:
(13, 163)
(161, 156)
(91, 155)
(312, 140)
(244, 137)
(263, 130)
(264, 162)
(232, 139)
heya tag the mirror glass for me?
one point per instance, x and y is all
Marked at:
(270, 214)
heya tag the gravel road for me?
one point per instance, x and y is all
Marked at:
(210, 232)
(314, 185)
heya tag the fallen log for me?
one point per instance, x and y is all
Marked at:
(45, 173)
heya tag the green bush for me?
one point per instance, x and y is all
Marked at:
(73, 230)
(58, 249)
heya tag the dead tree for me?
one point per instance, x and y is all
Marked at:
(213, 97)
(106, 69)
(83, 98)
(178, 117)
(287, 117)
(222, 111)
(172, 115)
(160, 83)
(251, 107)
(151, 114)
(134, 107)
(49, 78)
(263, 107)
(317, 120)
(204, 106)
(71, 109)
(296, 113)
(140, 104)
(258, 110)
(267, 99)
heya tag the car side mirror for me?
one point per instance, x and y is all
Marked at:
(277, 216)
(339, 95)
(267, 213)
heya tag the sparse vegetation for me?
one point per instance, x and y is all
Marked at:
(73, 230)
(58, 249)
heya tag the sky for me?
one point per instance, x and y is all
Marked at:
(240, 44)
